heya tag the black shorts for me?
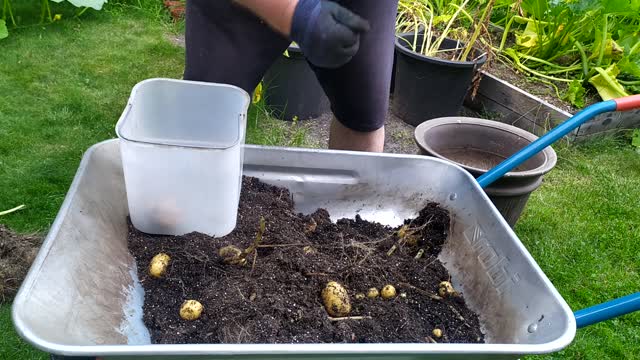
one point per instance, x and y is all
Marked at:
(228, 44)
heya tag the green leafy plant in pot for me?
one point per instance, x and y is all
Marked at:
(437, 57)
(292, 91)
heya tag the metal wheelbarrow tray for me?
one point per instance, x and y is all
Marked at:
(74, 300)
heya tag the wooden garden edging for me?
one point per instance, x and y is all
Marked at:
(526, 111)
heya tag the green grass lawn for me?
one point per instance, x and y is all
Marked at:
(583, 228)
(63, 88)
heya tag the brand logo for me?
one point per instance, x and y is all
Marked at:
(494, 263)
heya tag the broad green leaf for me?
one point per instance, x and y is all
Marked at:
(628, 39)
(575, 94)
(606, 84)
(536, 8)
(612, 6)
(529, 37)
(612, 50)
(4, 32)
(94, 4)
(630, 66)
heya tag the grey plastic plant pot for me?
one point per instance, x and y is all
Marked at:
(428, 87)
(478, 145)
(292, 89)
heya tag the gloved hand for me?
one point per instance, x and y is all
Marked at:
(327, 33)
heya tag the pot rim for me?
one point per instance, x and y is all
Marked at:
(550, 157)
(434, 60)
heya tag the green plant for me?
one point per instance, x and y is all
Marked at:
(584, 44)
(45, 13)
(432, 22)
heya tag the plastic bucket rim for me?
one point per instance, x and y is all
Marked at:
(402, 48)
(125, 116)
(550, 156)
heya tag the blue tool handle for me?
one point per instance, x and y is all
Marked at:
(608, 310)
(611, 308)
(552, 136)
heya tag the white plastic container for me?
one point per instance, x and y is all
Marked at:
(181, 144)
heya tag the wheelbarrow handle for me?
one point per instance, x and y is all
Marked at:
(620, 104)
(607, 310)
(611, 308)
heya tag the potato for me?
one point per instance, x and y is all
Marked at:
(446, 289)
(311, 227)
(309, 250)
(373, 293)
(232, 255)
(437, 333)
(336, 299)
(191, 310)
(230, 251)
(360, 296)
(388, 292)
(158, 265)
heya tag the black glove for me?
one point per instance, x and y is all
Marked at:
(327, 33)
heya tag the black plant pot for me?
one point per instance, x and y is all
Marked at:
(428, 87)
(292, 89)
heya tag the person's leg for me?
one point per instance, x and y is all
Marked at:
(227, 44)
(359, 90)
(343, 138)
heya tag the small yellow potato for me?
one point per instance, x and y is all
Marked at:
(360, 296)
(336, 299)
(388, 292)
(309, 250)
(437, 333)
(191, 310)
(158, 265)
(311, 227)
(230, 251)
(446, 289)
(373, 293)
(232, 255)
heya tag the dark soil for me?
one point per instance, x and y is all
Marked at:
(17, 252)
(275, 298)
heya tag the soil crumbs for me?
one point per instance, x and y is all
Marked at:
(275, 297)
(17, 252)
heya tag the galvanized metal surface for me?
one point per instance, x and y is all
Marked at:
(74, 299)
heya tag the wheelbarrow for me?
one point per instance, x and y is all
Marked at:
(611, 308)
(82, 298)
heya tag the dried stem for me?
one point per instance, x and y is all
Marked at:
(348, 318)
(423, 292)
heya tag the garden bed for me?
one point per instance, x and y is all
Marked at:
(276, 296)
(500, 99)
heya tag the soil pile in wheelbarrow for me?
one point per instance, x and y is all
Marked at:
(274, 294)
(17, 252)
